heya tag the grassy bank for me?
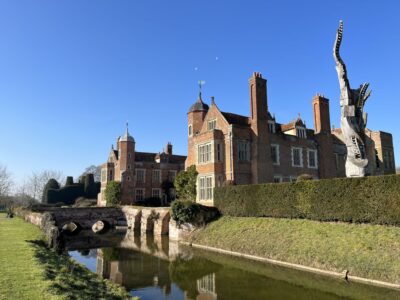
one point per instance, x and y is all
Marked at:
(370, 251)
(30, 271)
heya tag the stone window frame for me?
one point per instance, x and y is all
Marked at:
(205, 185)
(278, 155)
(206, 157)
(144, 175)
(271, 126)
(172, 172)
(246, 151)
(159, 192)
(143, 193)
(301, 157)
(212, 124)
(156, 179)
(190, 130)
(315, 158)
(279, 177)
(301, 132)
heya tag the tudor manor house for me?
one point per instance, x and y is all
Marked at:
(228, 148)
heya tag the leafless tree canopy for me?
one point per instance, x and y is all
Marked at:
(95, 170)
(6, 181)
(34, 184)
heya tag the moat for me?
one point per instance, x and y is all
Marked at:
(153, 267)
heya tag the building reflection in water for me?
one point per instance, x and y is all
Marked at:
(156, 268)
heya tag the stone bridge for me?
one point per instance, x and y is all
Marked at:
(144, 219)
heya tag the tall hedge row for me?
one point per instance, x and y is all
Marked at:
(374, 199)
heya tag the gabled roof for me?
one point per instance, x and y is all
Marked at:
(151, 157)
(291, 125)
(236, 119)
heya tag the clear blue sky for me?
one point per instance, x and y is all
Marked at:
(73, 72)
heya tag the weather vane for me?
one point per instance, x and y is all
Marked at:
(201, 83)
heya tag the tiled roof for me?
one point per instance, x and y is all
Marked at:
(292, 125)
(151, 157)
(236, 119)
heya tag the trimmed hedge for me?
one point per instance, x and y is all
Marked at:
(374, 199)
(191, 212)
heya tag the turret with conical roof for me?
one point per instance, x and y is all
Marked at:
(126, 149)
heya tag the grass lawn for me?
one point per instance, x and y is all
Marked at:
(370, 251)
(30, 271)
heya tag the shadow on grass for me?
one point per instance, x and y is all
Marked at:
(72, 280)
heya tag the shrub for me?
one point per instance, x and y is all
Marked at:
(69, 181)
(51, 184)
(113, 193)
(90, 187)
(191, 212)
(67, 194)
(185, 184)
(374, 199)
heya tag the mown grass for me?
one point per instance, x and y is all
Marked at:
(370, 251)
(28, 270)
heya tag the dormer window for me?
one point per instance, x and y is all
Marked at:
(212, 124)
(301, 132)
(271, 126)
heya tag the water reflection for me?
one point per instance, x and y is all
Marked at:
(156, 268)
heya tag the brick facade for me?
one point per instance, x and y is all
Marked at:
(141, 173)
(234, 149)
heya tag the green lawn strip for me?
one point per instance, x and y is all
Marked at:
(370, 251)
(31, 271)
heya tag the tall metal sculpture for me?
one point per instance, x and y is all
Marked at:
(353, 118)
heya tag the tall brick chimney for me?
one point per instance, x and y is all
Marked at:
(323, 136)
(261, 168)
(168, 148)
(258, 97)
(322, 120)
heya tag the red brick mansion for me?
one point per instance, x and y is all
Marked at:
(141, 173)
(236, 149)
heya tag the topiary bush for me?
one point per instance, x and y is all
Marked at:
(191, 212)
(52, 184)
(374, 199)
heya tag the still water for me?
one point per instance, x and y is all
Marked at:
(156, 268)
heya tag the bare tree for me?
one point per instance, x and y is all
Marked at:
(34, 184)
(6, 181)
(95, 170)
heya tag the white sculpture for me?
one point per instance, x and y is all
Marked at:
(353, 118)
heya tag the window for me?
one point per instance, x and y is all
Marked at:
(190, 130)
(275, 154)
(139, 194)
(301, 132)
(103, 175)
(337, 160)
(205, 187)
(271, 127)
(140, 175)
(386, 159)
(111, 175)
(212, 124)
(204, 153)
(157, 176)
(377, 162)
(219, 152)
(312, 158)
(297, 157)
(171, 175)
(277, 179)
(244, 150)
(156, 193)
